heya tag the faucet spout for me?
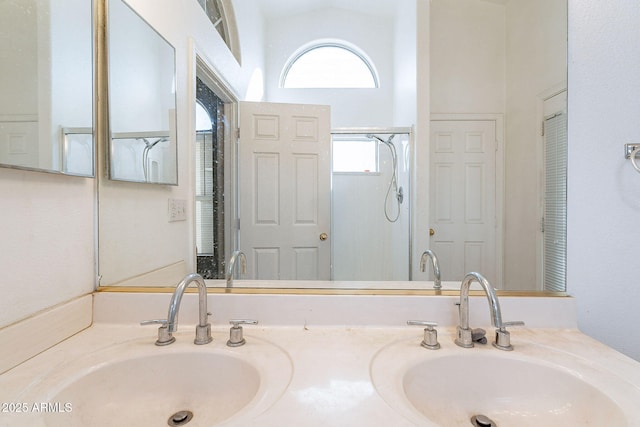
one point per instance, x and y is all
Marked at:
(203, 330)
(464, 332)
(429, 254)
(464, 336)
(232, 263)
(494, 305)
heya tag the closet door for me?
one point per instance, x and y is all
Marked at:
(463, 198)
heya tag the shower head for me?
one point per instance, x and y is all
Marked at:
(372, 136)
(387, 142)
(150, 144)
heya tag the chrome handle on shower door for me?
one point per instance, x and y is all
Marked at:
(324, 236)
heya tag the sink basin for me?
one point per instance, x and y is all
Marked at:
(531, 386)
(449, 390)
(140, 384)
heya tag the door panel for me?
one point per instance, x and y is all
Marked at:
(463, 197)
(285, 190)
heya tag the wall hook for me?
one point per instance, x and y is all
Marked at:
(631, 152)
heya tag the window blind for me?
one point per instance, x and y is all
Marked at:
(555, 202)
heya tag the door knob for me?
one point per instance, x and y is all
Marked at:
(432, 232)
(324, 236)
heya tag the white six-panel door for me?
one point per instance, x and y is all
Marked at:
(463, 198)
(285, 190)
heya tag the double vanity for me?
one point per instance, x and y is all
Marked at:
(320, 360)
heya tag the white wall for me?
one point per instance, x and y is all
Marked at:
(539, 27)
(140, 74)
(603, 188)
(373, 34)
(19, 25)
(46, 250)
(467, 70)
(251, 37)
(71, 65)
(25, 88)
(404, 62)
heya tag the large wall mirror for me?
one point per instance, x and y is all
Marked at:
(46, 86)
(492, 165)
(142, 100)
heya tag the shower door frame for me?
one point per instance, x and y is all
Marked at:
(410, 131)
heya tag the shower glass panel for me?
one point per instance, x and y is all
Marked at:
(371, 205)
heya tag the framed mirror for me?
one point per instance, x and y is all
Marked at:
(47, 86)
(486, 62)
(142, 100)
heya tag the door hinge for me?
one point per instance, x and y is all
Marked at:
(238, 133)
(542, 129)
(238, 224)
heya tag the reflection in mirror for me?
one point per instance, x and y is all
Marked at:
(210, 182)
(142, 100)
(144, 230)
(509, 61)
(46, 86)
(77, 157)
(371, 187)
(489, 61)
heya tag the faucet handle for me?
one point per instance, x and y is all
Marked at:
(235, 333)
(203, 333)
(503, 337)
(430, 340)
(154, 322)
(513, 323)
(426, 323)
(164, 336)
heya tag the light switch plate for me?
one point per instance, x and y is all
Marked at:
(177, 210)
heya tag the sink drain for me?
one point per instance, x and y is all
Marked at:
(482, 421)
(180, 418)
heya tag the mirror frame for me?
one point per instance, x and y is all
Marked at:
(111, 135)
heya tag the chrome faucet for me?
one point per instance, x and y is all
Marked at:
(232, 263)
(170, 324)
(464, 332)
(437, 283)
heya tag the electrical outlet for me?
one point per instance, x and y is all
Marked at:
(177, 210)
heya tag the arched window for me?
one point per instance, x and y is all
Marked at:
(220, 13)
(329, 65)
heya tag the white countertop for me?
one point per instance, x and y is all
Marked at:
(331, 383)
(331, 346)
